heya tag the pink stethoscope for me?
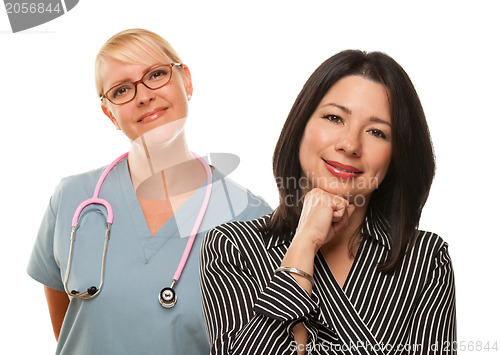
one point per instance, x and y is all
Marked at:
(167, 296)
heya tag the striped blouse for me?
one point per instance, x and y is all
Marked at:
(250, 310)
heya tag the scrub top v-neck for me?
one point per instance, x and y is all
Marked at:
(126, 316)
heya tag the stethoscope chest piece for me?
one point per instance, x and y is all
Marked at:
(167, 297)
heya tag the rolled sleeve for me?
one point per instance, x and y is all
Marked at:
(285, 300)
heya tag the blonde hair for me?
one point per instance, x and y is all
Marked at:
(136, 46)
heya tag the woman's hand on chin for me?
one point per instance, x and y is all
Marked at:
(323, 215)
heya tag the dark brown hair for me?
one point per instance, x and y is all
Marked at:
(397, 203)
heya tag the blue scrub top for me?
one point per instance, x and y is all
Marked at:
(126, 317)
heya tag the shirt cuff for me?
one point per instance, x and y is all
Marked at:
(285, 300)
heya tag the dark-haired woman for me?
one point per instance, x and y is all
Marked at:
(340, 266)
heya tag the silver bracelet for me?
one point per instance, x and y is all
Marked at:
(294, 270)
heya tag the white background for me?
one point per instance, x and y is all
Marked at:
(248, 62)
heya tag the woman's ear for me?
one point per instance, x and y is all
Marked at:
(110, 116)
(188, 84)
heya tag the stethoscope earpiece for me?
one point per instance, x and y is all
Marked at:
(91, 291)
(167, 297)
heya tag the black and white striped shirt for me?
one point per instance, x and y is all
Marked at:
(249, 310)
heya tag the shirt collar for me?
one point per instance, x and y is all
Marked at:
(271, 241)
(377, 229)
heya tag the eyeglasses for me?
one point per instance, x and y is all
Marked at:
(154, 79)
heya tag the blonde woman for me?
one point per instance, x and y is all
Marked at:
(120, 270)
